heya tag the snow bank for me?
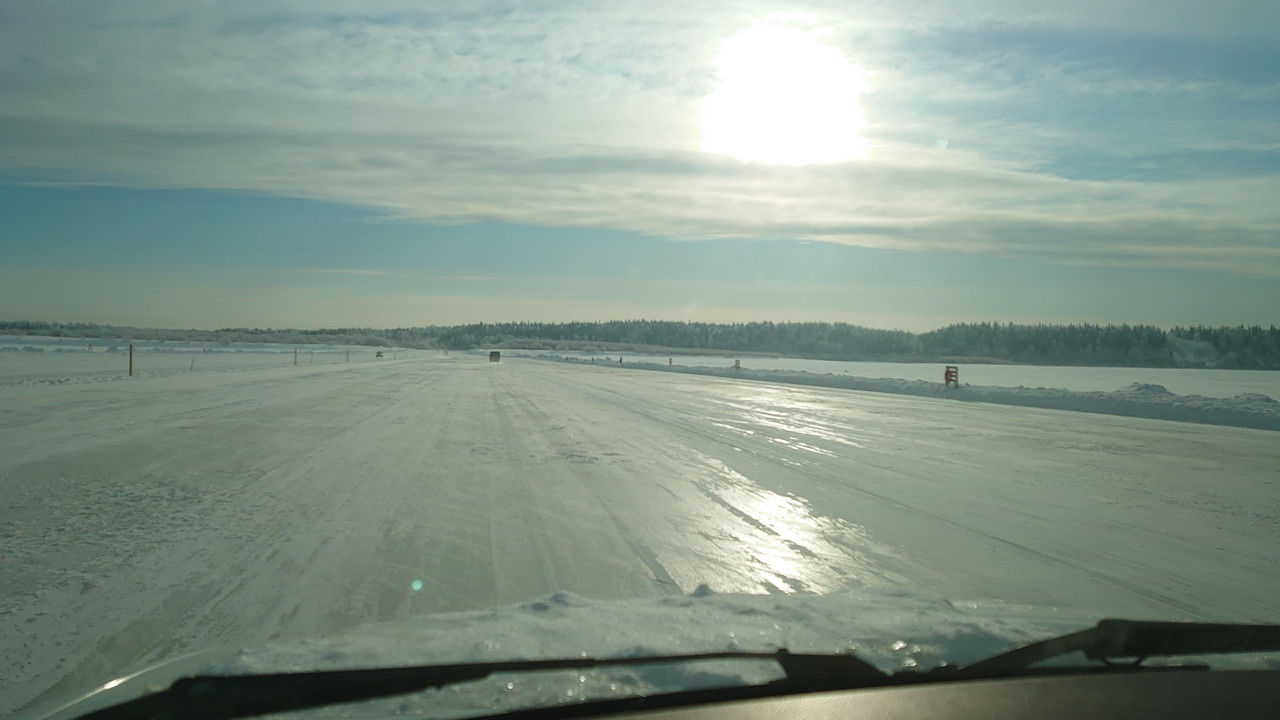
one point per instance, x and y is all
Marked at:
(1143, 400)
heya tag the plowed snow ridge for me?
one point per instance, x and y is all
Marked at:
(1142, 400)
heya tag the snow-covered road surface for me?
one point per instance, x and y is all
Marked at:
(143, 518)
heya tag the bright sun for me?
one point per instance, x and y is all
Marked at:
(784, 97)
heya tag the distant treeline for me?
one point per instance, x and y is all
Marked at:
(1252, 347)
(343, 336)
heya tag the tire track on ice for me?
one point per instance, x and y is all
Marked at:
(657, 580)
(538, 524)
(717, 542)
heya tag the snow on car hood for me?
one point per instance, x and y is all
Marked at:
(891, 629)
(872, 624)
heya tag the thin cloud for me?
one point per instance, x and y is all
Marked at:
(353, 271)
(358, 272)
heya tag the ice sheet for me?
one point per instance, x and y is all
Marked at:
(149, 517)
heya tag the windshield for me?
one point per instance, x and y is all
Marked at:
(348, 334)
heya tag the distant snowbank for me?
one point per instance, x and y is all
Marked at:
(1143, 400)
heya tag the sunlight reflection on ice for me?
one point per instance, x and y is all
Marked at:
(788, 548)
(780, 409)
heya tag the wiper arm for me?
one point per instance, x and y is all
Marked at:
(1136, 639)
(221, 697)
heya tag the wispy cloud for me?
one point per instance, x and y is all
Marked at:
(1078, 132)
(358, 272)
(354, 271)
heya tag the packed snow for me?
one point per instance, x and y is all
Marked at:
(149, 517)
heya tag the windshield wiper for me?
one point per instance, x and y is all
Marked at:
(223, 697)
(1137, 639)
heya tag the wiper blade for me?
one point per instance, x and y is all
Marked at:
(1138, 639)
(221, 697)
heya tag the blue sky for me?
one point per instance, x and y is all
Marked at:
(404, 163)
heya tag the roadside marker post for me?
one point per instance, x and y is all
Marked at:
(130, 359)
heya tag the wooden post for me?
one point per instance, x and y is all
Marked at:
(295, 357)
(130, 359)
(951, 377)
(193, 365)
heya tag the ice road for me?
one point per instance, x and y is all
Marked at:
(149, 517)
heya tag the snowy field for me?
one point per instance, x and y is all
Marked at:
(148, 517)
(1183, 381)
(28, 360)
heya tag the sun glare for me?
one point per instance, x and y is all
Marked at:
(784, 96)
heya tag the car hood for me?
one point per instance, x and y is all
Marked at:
(890, 629)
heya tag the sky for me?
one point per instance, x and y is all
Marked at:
(893, 164)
